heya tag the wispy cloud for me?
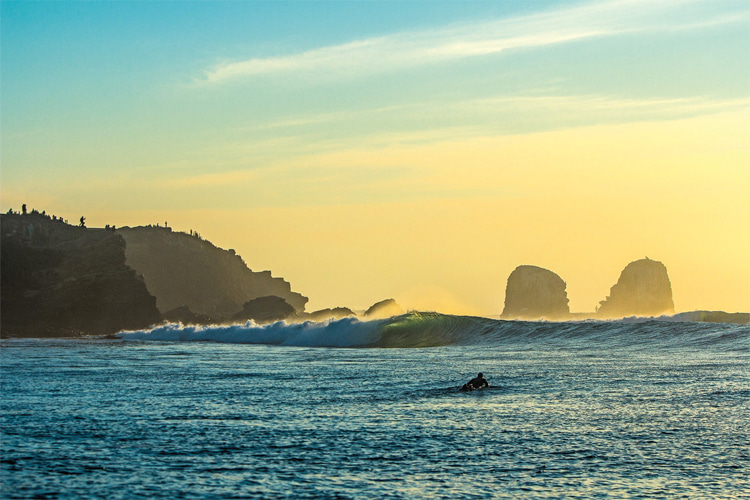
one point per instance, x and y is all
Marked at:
(406, 49)
(248, 161)
(591, 106)
(446, 119)
(403, 160)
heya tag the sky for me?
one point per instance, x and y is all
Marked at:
(417, 150)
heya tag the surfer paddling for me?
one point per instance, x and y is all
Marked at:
(475, 383)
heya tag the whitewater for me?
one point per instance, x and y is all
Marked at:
(429, 329)
(371, 409)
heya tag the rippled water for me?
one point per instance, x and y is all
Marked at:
(114, 419)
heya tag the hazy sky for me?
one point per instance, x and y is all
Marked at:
(417, 150)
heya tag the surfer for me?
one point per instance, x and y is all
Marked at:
(475, 383)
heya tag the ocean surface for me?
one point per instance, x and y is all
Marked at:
(353, 409)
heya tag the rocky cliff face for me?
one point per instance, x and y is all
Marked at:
(643, 289)
(184, 270)
(62, 280)
(535, 293)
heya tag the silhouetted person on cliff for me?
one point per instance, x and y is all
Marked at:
(83, 221)
(23, 209)
(475, 383)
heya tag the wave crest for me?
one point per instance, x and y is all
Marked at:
(420, 329)
(346, 332)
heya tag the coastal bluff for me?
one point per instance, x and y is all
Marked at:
(59, 280)
(182, 269)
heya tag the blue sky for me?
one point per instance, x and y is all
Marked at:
(87, 65)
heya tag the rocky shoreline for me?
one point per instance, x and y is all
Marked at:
(60, 280)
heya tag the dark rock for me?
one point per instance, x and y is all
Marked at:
(265, 310)
(61, 280)
(643, 289)
(384, 309)
(183, 269)
(535, 293)
(327, 314)
(184, 315)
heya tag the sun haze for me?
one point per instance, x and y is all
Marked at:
(420, 151)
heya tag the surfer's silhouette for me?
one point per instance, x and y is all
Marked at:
(476, 383)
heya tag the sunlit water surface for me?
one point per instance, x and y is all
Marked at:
(114, 419)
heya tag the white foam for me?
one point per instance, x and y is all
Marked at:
(346, 332)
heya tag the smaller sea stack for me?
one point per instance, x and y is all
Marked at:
(535, 293)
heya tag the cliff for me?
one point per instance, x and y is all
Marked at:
(643, 289)
(183, 270)
(62, 280)
(535, 293)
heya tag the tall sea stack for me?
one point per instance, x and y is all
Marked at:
(643, 289)
(535, 293)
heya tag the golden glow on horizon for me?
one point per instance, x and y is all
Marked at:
(581, 202)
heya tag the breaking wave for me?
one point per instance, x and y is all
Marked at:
(417, 329)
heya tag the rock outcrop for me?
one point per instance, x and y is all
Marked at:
(184, 315)
(535, 293)
(265, 310)
(384, 309)
(327, 314)
(643, 289)
(62, 280)
(183, 269)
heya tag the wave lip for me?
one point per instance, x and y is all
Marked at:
(345, 332)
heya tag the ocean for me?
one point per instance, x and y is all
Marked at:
(350, 409)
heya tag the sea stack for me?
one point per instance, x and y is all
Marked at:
(535, 293)
(643, 289)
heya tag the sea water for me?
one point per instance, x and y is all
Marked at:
(576, 410)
